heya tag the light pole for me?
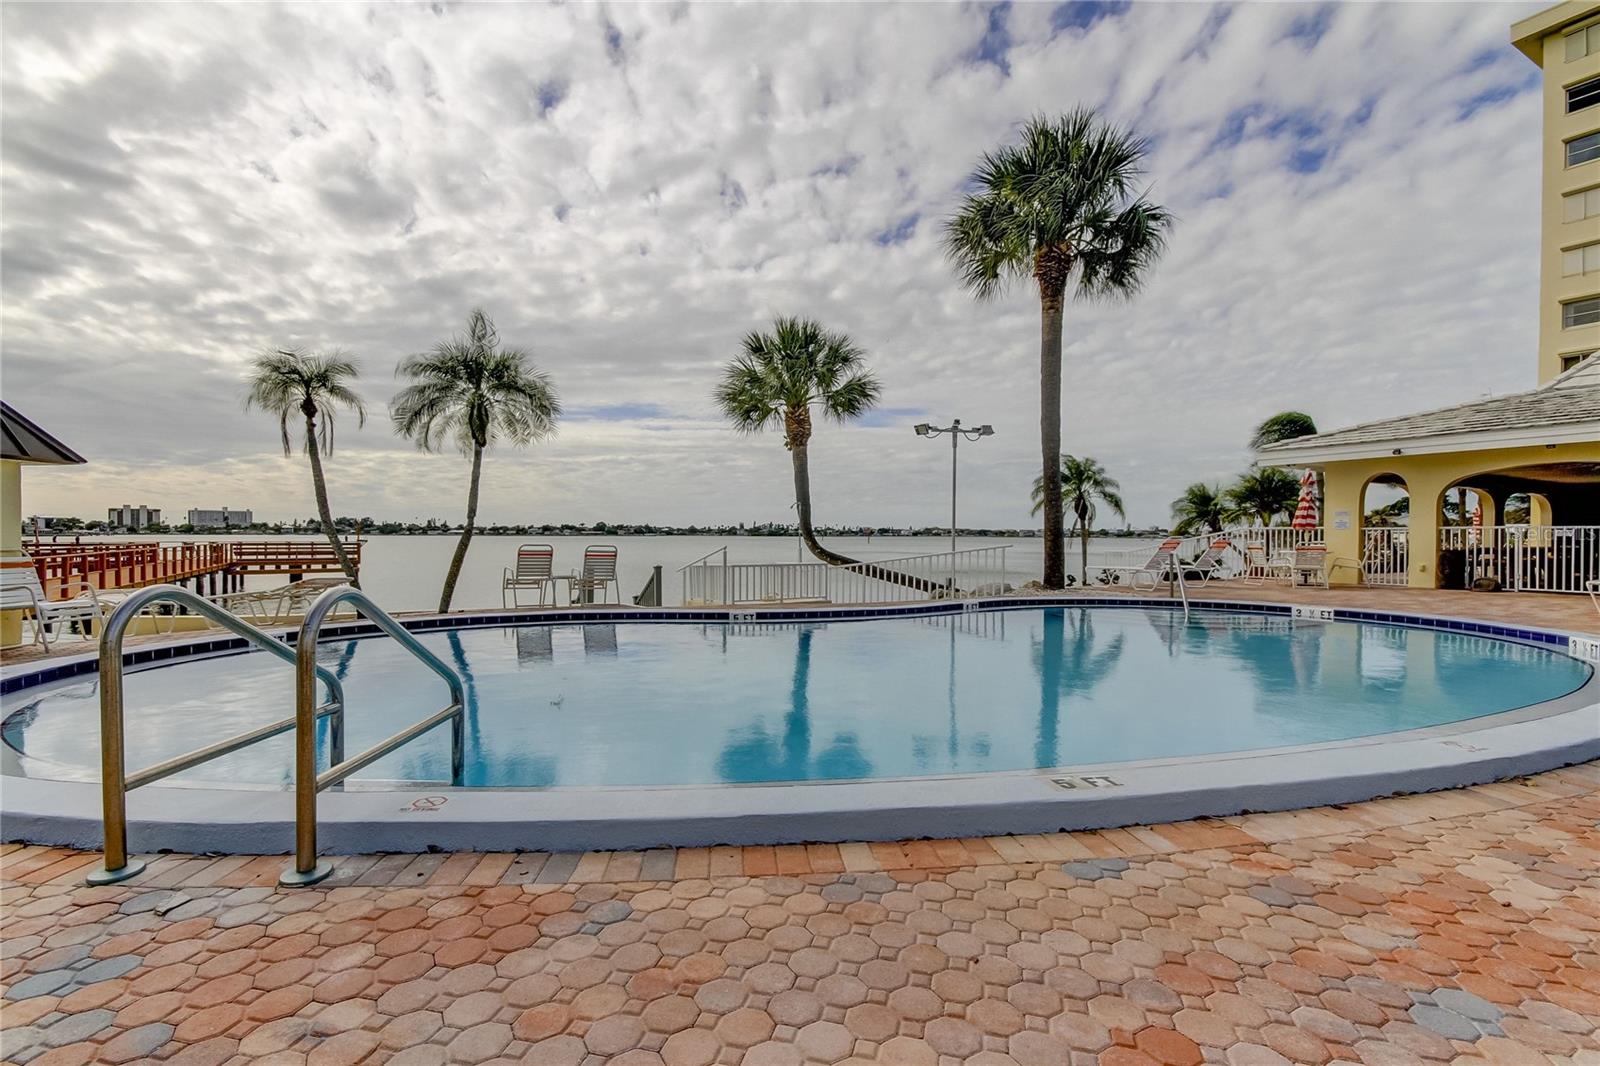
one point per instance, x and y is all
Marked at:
(956, 432)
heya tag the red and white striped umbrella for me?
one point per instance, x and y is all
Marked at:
(1305, 512)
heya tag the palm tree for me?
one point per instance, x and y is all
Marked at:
(476, 392)
(1060, 208)
(783, 374)
(1286, 425)
(289, 381)
(1201, 509)
(1083, 481)
(1262, 495)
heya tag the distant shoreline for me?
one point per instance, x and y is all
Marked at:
(385, 530)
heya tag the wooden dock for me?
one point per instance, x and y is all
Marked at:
(212, 566)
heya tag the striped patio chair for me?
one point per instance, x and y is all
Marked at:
(535, 563)
(599, 574)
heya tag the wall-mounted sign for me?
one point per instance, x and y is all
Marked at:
(1341, 520)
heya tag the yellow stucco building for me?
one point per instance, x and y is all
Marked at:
(1540, 446)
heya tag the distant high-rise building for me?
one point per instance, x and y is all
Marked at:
(133, 518)
(220, 519)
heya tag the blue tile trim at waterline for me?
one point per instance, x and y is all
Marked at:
(26, 679)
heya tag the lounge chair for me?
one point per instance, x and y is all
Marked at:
(1155, 569)
(1209, 562)
(24, 593)
(599, 574)
(534, 571)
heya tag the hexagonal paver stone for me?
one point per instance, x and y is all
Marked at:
(1465, 1003)
(556, 1051)
(745, 1027)
(612, 910)
(825, 1042)
(795, 1008)
(1095, 869)
(952, 1036)
(136, 1044)
(1079, 1031)
(480, 1043)
(75, 1028)
(474, 1009)
(772, 1053)
(40, 984)
(691, 1047)
(613, 1035)
(1446, 1023)
(107, 969)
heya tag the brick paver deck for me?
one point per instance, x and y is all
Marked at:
(1461, 926)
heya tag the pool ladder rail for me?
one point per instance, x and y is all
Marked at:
(116, 782)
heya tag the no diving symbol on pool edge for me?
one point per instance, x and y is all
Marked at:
(1073, 783)
(424, 804)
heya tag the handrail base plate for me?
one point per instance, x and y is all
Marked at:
(292, 878)
(102, 876)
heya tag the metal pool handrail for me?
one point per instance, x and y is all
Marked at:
(115, 781)
(307, 782)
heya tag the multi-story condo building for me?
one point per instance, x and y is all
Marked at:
(133, 518)
(219, 519)
(1565, 42)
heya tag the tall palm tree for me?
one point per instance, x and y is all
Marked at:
(1263, 495)
(1083, 481)
(472, 390)
(1285, 425)
(1059, 208)
(780, 377)
(289, 381)
(1201, 509)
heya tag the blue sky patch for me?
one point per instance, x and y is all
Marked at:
(996, 40)
(898, 233)
(1083, 14)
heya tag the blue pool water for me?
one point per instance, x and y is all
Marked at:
(656, 704)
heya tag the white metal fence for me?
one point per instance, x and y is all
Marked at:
(713, 580)
(1527, 558)
(1385, 555)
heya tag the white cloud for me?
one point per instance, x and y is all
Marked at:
(629, 189)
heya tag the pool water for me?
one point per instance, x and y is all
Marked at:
(680, 704)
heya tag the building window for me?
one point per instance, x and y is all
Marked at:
(1572, 359)
(1582, 95)
(1583, 149)
(1577, 206)
(1584, 312)
(1581, 260)
(1584, 42)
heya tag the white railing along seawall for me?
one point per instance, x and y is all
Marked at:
(714, 580)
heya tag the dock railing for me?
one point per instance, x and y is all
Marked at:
(713, 580)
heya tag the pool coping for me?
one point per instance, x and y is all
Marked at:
(413, 818)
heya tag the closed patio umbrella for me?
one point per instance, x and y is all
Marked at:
(1305, 512)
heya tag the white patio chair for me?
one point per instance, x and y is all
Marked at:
(1594, 592)
(1260, 568)
(22, 592)
(534, 570)
(1154, 569)
(599, 574)
(1313, 565)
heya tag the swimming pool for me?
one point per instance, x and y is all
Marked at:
(620, 704)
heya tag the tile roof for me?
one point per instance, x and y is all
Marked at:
(1569, 400)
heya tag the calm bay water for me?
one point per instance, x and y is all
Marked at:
(405, 573)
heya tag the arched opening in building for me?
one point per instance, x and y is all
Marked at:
(1385, 536)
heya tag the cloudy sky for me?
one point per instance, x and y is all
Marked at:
(628, 189)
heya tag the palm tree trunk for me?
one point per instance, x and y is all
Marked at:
(798, 430)
(460, 556)
(1055, 545)
(802, 501)
(1083, 561)
(319, 488)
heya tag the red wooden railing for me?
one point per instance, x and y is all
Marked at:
(135, 564)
